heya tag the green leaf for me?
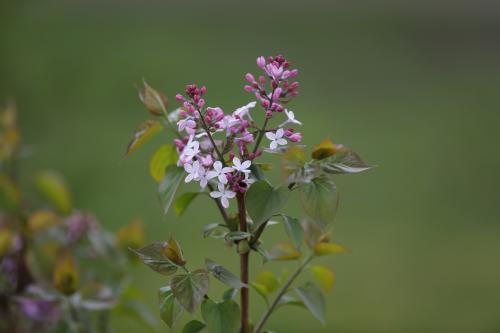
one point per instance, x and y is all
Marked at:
(165, 155)
(230, 294)
(320, 199)
(183, 202)
(211, 228)
(323, 248)
(237, 235)
(154, 256)
(256, 172)
(224, 275)
(268, 280)
(284, 251)
(324, 276)
(261, 290)
(223, 317)
(170, 309)
(194, 326)
(190, 288)
(53, 188)
(289, 300)
(169, 185)
(313, 300)
(344, 161)
(173, 252)
(294, 230)
(323, 150)
(263, 201)
(142, 134)
(154, 100)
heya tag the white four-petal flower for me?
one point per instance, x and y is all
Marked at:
(241, 167)
(224, 194)
(291, 118)
(276, 138)
(193, 171)
(220, 172)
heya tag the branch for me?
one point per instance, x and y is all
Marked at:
(281, 293)
(263, 129)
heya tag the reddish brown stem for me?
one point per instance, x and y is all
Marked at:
(244, 259)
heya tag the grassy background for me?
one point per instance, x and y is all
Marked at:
(414, 89)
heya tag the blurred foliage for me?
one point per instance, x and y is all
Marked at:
(60, 271)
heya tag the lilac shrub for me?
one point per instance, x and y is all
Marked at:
(221, 152)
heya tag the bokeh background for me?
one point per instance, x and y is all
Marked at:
(414, 87)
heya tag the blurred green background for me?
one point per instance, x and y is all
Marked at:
(413, 87)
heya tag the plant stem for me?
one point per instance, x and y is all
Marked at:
(244, 259)
(205, 127)
(281, 293)
(263, 130)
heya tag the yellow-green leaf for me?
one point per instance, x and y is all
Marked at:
(66, 277)
(155, 101)
(322, 249)
(165, 155)
(324, 149)
(173, 252)
(142, 134)
(131, 235)
(284, 251)
(41, 220)
(53, 188)
(268, 280)
(324, 276)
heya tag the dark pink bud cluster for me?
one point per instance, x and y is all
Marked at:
(194, 99)
(279, 90)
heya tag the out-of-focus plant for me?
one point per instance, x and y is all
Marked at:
(221, 152)
(59, 270)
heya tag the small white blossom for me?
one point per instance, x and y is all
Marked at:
(193, 171)
(224, 194)
(244, 110)
(276, 138)
(203, 177)
(241, 167)
(191, 150)
(291, 119)
(219, 172)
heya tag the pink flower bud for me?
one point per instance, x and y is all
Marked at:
(265, 103)
(201, 102)
(269, 114)
(262, 79)
(179, 98)
(249, 77)
(277, 94)
(295, 137)
(248, 88)
(203, 90)
(294, 72)
(261, 62)
(231, 155)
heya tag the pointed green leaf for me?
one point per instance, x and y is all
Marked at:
(320, 199)
(165, 155)
(261, 290)
(183, 202)
(284, 251)
(237, 235)
(224, 275)
(323, 150)
(190, 288)
(230, 294)
(142, 134)
(154, 256)
(169, 185)
(289, 300)
(194, 326)
(268, 280)
(223, 317)
(313, 300)
(294, 230)
(263, 201)
(170, 309)
(211, 228)
(324, 276)
(343, 161)
(323, 248)
(53, 188)
(154, 100)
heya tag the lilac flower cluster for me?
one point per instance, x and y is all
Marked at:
(223, 164)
